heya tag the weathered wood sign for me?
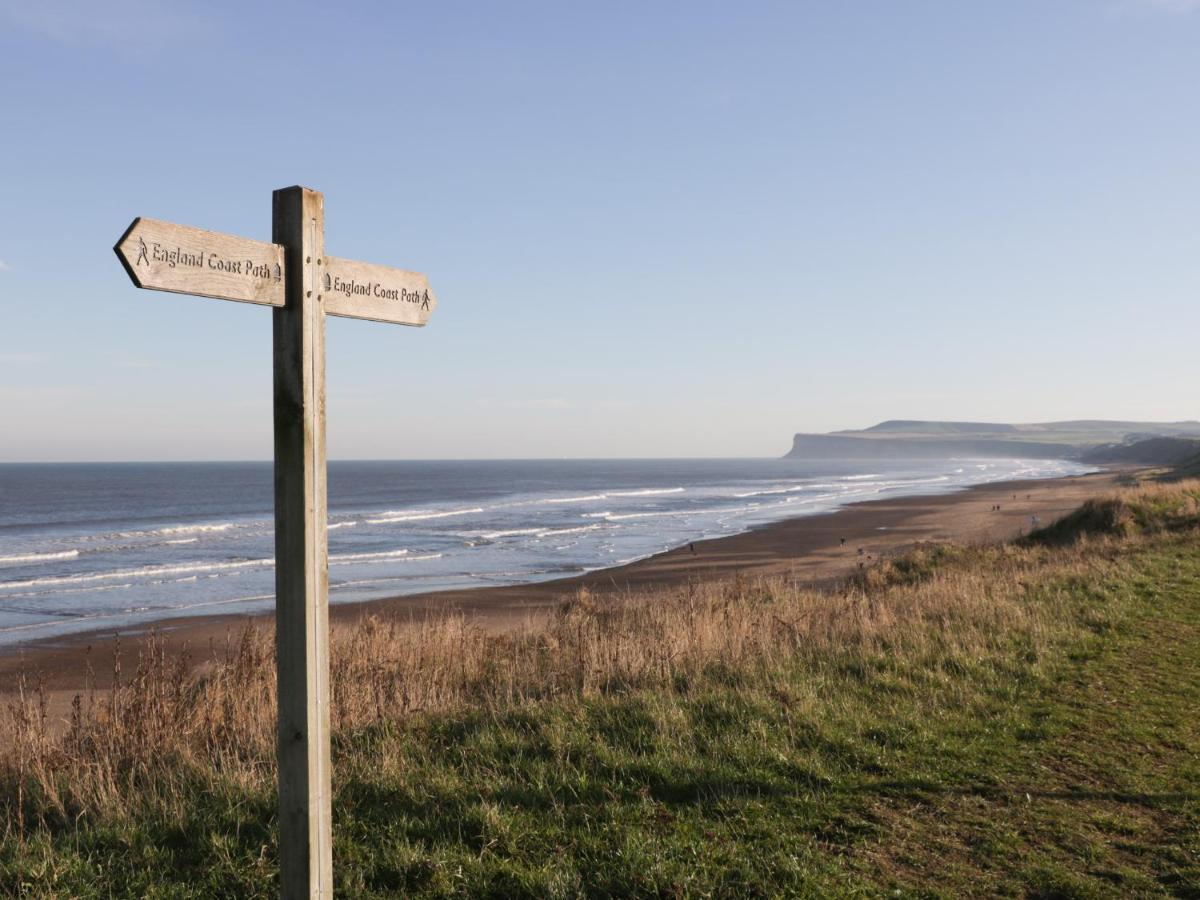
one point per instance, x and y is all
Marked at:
(364, 291)
(294, 275)
(166, 257)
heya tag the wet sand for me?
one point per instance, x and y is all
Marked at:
(808, 549)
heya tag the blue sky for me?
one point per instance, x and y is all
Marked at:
(654, 229)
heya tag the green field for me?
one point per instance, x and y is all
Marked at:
(1019, 720)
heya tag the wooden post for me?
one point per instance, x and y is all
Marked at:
(295, 277)
(301, 557)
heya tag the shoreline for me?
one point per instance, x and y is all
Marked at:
(807, 548)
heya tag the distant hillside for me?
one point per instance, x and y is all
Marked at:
(1189, 468)
(1158, 451)
(908, 426)
(917, 439)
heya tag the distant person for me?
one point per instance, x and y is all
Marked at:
(843, 542)
(692, 547)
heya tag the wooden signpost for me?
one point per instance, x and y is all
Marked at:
(294, 275)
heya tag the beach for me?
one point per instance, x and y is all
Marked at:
(808, 549)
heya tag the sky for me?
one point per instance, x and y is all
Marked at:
(654, 228)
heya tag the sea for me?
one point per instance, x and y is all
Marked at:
(115, 546)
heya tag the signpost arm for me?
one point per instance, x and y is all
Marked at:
(302, 566)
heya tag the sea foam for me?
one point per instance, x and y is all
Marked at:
(420, 515)
(26, 558)
(140, 573)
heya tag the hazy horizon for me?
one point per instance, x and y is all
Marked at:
(664, 231)
(348, 459)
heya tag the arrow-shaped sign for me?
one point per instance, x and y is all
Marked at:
(361, 290)
(165, 257)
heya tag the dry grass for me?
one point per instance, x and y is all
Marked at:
(950, 606)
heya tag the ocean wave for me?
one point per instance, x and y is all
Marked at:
(396, 556)
(25, 558)
(539, 531)
(420, 515)
(771, 491)
(648, 492)
(492, 535)
(206, 528)
(340, 558)
(573, 530)
(144, 575)
(59, 592)
(903, 482)
(610, 516)
(606, 495)
(332, 525)
(141, 572)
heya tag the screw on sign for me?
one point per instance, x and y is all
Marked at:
(294, 275)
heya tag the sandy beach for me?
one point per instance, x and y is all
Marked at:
(809, 549)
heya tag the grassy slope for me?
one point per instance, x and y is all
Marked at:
(1059, 760)
(1189, 468)
(1092, 787)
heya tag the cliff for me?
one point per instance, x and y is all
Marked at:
(916, 439)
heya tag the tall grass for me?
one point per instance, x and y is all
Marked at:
(166, 723)
(1147, 508)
